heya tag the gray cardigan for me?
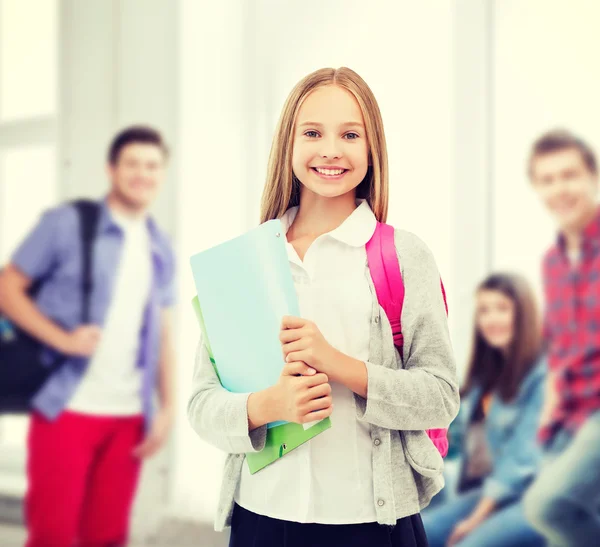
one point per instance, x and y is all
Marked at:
(404, 398)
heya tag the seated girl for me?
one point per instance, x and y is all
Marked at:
(500, 410)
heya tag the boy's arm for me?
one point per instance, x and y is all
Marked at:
(16, 304)
(163, 421)
(35, 259)
(166, 374)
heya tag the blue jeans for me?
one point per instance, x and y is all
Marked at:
(506, 527)
(563, 503)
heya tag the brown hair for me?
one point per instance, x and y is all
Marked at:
(135, 134)
(488, 368)
(282, 188)
(558, 140)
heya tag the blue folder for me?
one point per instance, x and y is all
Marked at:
(244, 288)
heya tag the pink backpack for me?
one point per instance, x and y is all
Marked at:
(385, 271)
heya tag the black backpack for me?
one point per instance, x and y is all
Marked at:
(24, 367)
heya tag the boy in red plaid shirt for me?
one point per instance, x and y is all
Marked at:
(563, 504)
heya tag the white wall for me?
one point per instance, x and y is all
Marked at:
(211, 207)
(472, 207)
(119, 67)
(88, 100)
(546, 59)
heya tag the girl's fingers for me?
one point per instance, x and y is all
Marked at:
(293, 346)
(316, 392)
(318, 415)
(319, 404)
(304, 355)
(294, 356)
(316, 380)
(290, 322)
(297, 367)
(290, 335)
(322, 390)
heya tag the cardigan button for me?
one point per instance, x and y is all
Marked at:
(376, 442)
(381, 503)
(377, 319)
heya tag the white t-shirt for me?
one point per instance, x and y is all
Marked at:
(112, 383)
(328, 480)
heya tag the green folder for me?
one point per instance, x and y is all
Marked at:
(245, 287)
(281, 438)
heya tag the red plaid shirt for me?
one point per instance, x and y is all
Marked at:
(572, 330)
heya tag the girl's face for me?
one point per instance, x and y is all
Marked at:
(495, 318)
(331, 154)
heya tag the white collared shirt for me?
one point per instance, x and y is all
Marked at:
(112, 383)
(328, 480)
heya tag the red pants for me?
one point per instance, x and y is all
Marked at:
(82, 479)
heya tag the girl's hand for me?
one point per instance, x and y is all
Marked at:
(551, 401)
(462, 530)
(302, 395)
(303, 341)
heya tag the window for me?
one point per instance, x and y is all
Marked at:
(28, 49)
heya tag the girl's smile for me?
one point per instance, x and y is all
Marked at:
(330, 173)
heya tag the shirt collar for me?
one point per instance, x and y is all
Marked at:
(107, 223)
(355, 231)
(590, 236)
(592, 230)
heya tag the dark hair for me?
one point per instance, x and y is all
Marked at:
(561, 139)
(135, 134)
(488, 367)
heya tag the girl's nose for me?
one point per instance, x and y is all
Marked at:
(330, 149)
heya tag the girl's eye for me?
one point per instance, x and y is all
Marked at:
(312, 134)
(351, 136)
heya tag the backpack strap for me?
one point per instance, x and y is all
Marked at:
(444, 295)
(387, 277)
(89, 213)
(384, 266)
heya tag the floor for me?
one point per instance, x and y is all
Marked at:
(173, 534)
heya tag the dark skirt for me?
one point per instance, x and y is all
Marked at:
(251, 530)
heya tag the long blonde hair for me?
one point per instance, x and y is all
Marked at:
(282, 189)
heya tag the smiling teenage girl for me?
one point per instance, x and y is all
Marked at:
(328, 183)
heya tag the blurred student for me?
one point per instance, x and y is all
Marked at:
(93, 420)
(500, 411)
(564, 502)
